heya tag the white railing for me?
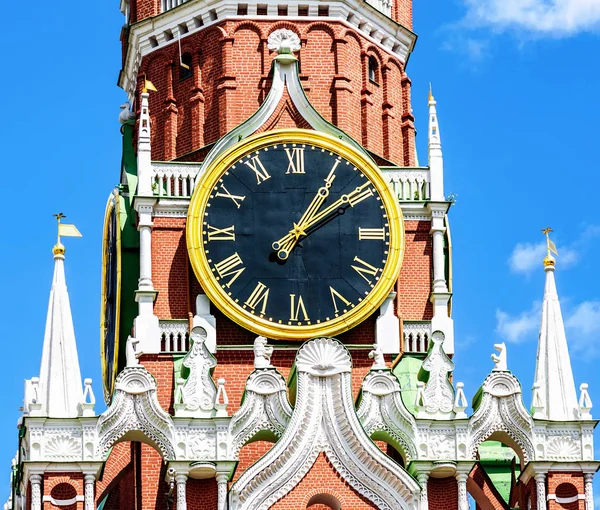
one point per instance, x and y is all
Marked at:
(174, 335)
(416, 336)
(171, 4)
(384, 6)
(174, 179)
(409, 184)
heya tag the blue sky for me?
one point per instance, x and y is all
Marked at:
(516, 84)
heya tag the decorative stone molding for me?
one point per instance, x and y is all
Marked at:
(382, 412)
(283, 41)
(501, 410)
(265, 409)
(324, 420)
(197, 397)
(135, 410)
(437, 399)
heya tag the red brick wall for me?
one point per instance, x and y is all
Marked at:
(322, 478)
(231, 66)
(442, 493)
(414, 284)
(201, 494)
(62, 486)
(565, 485)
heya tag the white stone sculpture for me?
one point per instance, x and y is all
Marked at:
(500, 358)
(130, 351)
(438, 396)
(378, 358)
(199, 391)
(283, 41)
(262, 353)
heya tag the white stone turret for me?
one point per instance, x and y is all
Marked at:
(144, 155)
(59, 391)
(553, 374)
(434, 153)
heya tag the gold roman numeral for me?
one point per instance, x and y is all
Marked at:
(258, 168)
(335, 294)
(229, 267)
(235, 198)
(296, 160)
(221, 234)
(296, 307)
(364, 268)
(355, 199)
(259, 295)
(371, 234)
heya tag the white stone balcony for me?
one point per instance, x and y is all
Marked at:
(174, 180)
(416, 336)
(409, 184)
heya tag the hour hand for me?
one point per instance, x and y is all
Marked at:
(286, 244)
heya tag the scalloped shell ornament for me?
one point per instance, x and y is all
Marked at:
(283, 41)
(323, 357)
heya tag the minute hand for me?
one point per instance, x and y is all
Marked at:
(351, 199)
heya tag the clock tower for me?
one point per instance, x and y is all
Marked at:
(276, 325)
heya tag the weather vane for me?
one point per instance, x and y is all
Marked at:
(65, 229)
(550, 246)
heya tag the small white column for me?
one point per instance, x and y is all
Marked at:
(540, 487)
(589, 490)
(36, 492)
(440, 296)
(387, 327)
(89, 482)
(222, 480)
(181, 491)
(463, 501)
(423, 499)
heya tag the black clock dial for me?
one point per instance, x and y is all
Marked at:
(295, 234)
(111, 288)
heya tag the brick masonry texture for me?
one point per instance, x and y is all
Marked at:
(230, 79)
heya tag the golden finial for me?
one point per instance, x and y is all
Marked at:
(430, 93)
(550, 247)
(63, 230)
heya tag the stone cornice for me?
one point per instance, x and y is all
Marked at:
(164, 30)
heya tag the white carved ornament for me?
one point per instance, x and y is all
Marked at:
(438, 396)
(382, 411)
(265, 408)
(199, 391)
(283, 41)
(324, 420)
(135, 408)
(502, 410)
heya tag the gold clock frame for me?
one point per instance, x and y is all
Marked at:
(113, 203)
(263, 326)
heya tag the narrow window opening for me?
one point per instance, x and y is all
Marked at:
(323, 10)
(303, 10)
(373, 69)
(185, 69)
(242, 9)
(261, 9)
(282, 10)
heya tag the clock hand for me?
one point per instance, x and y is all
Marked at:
(321, 218)
(285, 245)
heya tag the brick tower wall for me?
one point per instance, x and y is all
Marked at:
(230, 78)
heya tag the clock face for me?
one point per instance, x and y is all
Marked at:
(294, 234)
(111, 293)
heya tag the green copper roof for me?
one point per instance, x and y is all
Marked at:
(407, 372)
(499, 461)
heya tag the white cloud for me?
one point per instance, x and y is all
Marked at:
(582, 324)
(519, 328)
(551, 18)
(526, 257)
(583, 328)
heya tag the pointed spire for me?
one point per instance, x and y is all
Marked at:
(60, 388)
(144, 155)
(555, 398)
(434, 152)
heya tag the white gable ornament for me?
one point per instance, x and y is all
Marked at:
(324, 420)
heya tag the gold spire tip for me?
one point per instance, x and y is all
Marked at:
(430, 98)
